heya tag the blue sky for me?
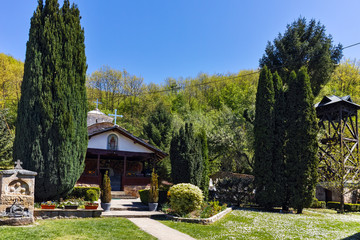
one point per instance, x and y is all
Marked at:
(182, 38)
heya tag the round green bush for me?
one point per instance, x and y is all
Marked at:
(91, 195)
(185, 198)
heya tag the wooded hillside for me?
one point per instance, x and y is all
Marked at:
(221, 105)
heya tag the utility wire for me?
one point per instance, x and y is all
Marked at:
(198, 84)
(351, 45)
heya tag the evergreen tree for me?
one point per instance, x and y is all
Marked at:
(263, 133)
(158, 127)
(186, 158)
(205, 154)
(51, 133)
(278, 166)
(302, 145)
(158, 130)
(303, 44)
(6, 143)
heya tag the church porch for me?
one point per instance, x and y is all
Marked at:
(128, 171)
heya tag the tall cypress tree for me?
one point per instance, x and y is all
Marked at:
(278, 166)
(185, 156)
(302, 145)
(205, 155)
(263, 132)
(51, 133)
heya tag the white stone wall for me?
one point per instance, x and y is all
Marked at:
(124, 143)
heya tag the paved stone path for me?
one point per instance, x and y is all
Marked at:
(139, 214)
(159, 230)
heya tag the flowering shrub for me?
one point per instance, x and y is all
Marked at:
(185, 198)
(48, 203)
(211, 208)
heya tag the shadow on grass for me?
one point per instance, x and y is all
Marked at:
(259, 209)
(352, 237)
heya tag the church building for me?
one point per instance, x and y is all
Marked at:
(127, 158)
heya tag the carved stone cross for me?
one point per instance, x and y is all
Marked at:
(18, 164)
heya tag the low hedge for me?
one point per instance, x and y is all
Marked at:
(348, 207)
(318, 204)
(82, 192)
(144, 196)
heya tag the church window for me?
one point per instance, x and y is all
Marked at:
(112, 142)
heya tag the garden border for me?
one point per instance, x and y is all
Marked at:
(204, 221)
(66, 213)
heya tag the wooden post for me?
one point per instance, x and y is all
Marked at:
(98, 169)
(124, 174)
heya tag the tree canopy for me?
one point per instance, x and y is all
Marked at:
(303, 44)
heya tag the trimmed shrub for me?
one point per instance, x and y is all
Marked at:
(185, 198)
(106, 189)
(154, 189)
(317, 204)
(333, 205)
(91, 195)
(348, 207)
(144, 196)
(81, 192)
(235, 191)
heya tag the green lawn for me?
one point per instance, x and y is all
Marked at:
(70, 229)
(241, 224)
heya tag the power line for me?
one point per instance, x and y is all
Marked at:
(352, 45)
(195, 85)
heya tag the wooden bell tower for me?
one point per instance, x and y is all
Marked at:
(339, 141)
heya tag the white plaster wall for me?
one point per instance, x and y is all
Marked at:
(124, 144)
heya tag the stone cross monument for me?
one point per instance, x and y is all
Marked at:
(17, 195)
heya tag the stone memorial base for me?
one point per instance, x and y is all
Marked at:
(16, 221)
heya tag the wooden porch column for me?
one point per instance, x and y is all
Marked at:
(98, 169)
(124, 174)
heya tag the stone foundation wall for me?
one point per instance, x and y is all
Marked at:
(66, 213)
(133, 190)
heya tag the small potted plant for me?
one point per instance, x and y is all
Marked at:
(48, 205)
(90, 198)
(91, 205)
(106, 193)
(71, 205)
(154, 192)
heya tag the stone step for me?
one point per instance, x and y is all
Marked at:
(121, 195)
(132, 214)
(142, 208)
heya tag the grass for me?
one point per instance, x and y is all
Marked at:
(70, 229)
(245, 224)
